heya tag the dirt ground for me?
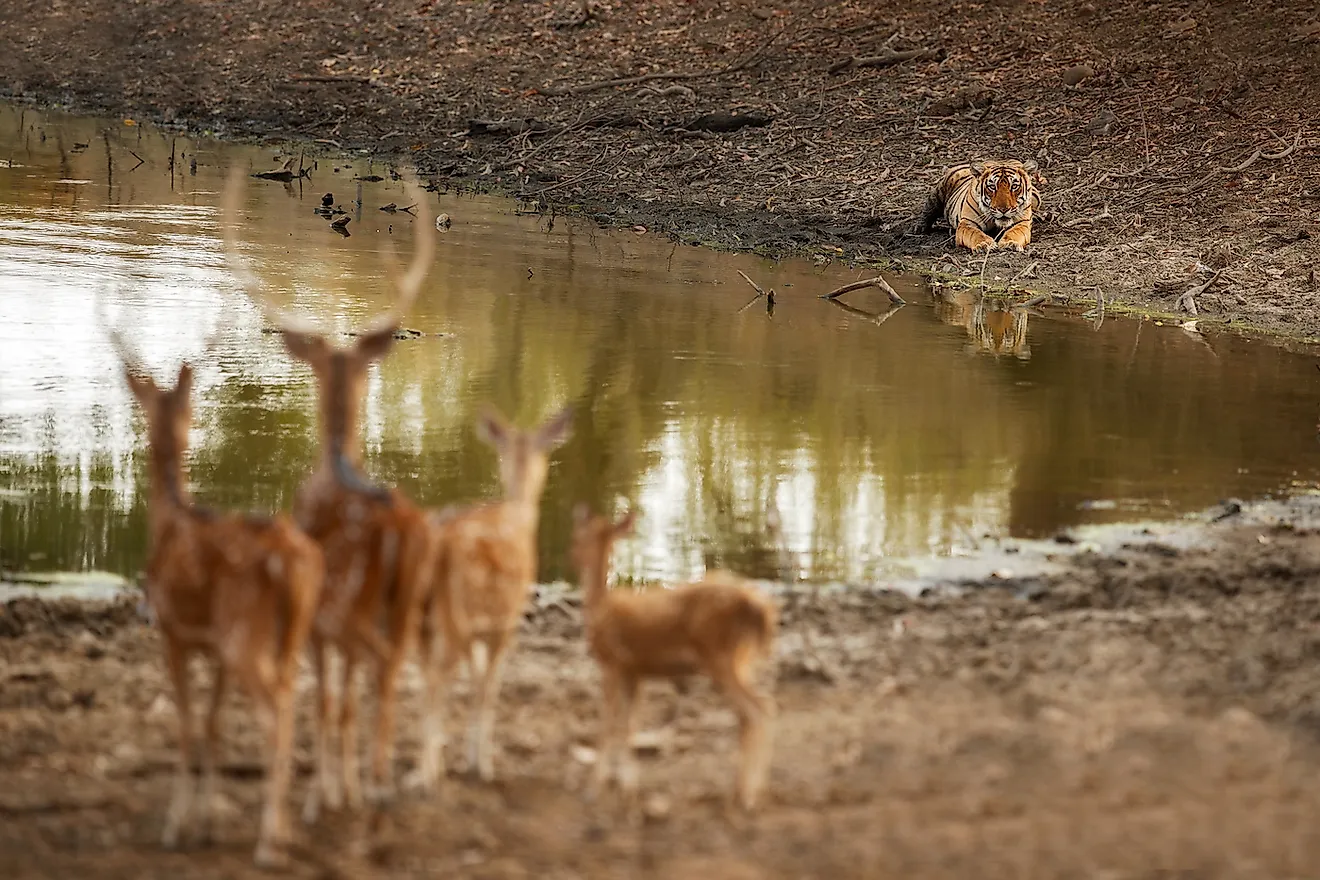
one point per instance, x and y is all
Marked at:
(1150, 713)
(1177, 140)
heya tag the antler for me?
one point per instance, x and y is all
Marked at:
(238, 264)
(128, 355)
(407, 286)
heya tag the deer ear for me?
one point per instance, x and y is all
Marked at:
(376, 343)
(183, 385)
(625, 524)
(555, 431)
(306, 347)
(492, 429)
(141, 386)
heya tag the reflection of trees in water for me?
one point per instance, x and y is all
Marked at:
(870, 428)
(1151, 413)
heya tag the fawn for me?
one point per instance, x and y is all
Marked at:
(378, 545)
(720, 625)
(484, 567)
(242, 590)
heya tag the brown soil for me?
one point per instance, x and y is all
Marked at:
(1138, 113)
(1153, 713)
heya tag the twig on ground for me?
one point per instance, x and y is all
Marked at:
(584, 15)
(1099, 308)
(1031, 267)
(667, 92)
(1259, 154)
(877, 281)
(1187, 302)
(140, 163)
(1038, 300)
(885, 59)
(1103, 215)
(312, 78)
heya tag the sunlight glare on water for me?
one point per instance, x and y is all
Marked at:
(876, 434)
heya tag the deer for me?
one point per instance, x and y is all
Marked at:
(485, 566)
(240, 590)
(378, 545)
(721, 626)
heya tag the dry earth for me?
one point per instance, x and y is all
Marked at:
(1153, 713)
(1178, 139)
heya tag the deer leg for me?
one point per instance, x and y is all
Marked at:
(755, 715)
(607, 744)
(382, 755)
(209, 748)
(176, 658)
(433, 722)
(629, 774)
(349, 770)
(326, 784)
(481, 746)
(279, 758)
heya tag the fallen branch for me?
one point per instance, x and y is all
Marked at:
(885, 59)
(1030, 268)
(666, 92)
(583, 16)
(760, 291)
(877, 281)
(1103, 215)
(1035, 301)
(140, 161)
(1187, 302)
(314, 78)
(1259, 154)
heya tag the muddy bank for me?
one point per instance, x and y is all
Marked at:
(1175, 141)
(1150, 711)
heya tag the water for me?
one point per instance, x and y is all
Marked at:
(919, 433)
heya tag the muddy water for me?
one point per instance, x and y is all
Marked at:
(877, 434)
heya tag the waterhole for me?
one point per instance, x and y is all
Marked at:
(873, 432)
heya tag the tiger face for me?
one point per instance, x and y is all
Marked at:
(1004, 191)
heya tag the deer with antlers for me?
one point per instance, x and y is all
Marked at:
(720, 625)
(485, 566)
(378, 545)
(241, 590)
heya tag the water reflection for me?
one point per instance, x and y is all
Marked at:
(874, 432)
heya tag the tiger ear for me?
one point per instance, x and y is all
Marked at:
(978, 168)
(1031, 166)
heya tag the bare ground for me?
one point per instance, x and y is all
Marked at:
(1151, 713)
(1177, 139)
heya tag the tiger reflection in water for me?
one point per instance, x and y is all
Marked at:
(993, 327)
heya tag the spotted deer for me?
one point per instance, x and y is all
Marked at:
(485, 566)
(240, 590)
(720, 626)
(378, 545)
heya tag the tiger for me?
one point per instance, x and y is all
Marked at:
(987, 204)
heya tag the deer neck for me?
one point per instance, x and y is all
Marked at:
(169, 491)
(594, 577)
